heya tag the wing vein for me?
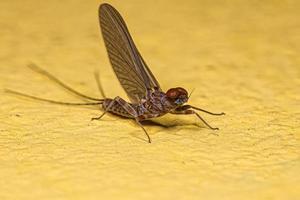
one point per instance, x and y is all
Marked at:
(128, 65)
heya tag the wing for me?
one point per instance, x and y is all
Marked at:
(128, 65)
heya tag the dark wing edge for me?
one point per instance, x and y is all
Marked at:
(128, 65)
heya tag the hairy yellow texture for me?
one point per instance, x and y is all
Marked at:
(242, 57)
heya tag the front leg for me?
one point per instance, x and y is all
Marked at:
(184, 110)
(185, 107)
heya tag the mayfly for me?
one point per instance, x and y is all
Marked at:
(147, 99)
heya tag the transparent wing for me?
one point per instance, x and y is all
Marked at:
(128, 65)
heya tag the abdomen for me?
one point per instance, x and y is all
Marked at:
(116, 108)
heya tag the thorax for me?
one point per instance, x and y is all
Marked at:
(154, 103)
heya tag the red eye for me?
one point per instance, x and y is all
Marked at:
(182, 91)
(172, 93)
(176, 92)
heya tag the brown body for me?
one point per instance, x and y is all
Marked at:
(155, 104)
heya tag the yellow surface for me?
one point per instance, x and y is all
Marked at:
(242, 57)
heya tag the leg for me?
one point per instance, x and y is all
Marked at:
(129, 109)
(98, 118)
(213, 128)
(188, 112)
(137, 121)
(106, 110)
(185, 107)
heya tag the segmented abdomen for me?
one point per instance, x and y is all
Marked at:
(116, 108)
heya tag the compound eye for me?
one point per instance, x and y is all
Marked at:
(182, 91)
(172, 93)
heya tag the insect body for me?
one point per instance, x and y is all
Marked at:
(147, 99)
(155, 104)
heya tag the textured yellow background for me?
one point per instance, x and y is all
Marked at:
(242, 57)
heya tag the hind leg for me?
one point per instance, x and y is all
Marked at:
(129, 109)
